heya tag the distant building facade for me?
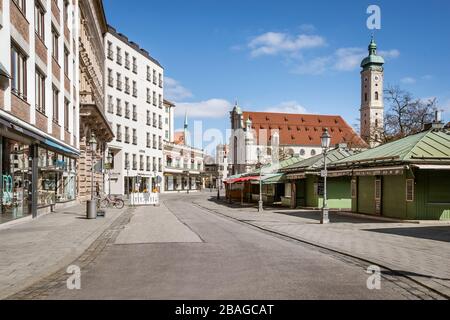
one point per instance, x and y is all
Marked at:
(279, 135)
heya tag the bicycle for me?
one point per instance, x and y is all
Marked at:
(115, 202)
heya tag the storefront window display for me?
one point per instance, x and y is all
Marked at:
(56, 178)
(16, 180)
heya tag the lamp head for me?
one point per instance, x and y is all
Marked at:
(325, 139)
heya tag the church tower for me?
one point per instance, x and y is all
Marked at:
(372, 106)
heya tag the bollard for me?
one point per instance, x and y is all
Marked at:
(91, 209)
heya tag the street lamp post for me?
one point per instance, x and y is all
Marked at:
(109, 158)
(91, 209)
(325, 140)
(260, 202)
(218, 187)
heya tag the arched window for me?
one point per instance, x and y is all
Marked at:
(376, 95)
(302, 152)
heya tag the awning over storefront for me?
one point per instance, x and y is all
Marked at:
(241, 179)
(270, 179)
(61, 148)
(387, 171)
(432, 166)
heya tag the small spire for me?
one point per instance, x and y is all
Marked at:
(185, 120)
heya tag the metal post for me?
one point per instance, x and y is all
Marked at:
(188, 183)
(34, 180)
(324, 219)
(260, 202)
(92, 175)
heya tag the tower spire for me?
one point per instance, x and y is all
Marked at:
(185, 132)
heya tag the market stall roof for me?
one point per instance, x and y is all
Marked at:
(241, 179)
(432, 146)
(316, 162)
(270, 179)
(273, 167)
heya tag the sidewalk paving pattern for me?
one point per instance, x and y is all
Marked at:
(35, 249)
(421, 252)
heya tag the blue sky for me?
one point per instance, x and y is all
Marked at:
(298, 56)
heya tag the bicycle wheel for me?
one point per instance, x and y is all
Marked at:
(119, 204)
(104, 203)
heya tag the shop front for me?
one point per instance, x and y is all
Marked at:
(36, 173)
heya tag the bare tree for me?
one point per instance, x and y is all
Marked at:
(405, 114)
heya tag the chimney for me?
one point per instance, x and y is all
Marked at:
(437, 124)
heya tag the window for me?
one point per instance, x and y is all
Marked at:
(66, 114)
(148, 163)
(127, 110)
(148, 118)
(160, 80)
(134, 89)
(154, 98)
(118, 107)
(409, 190)
(313, 152)
(40, 91)
(110, 104)
(110, 51)
(365, 96)
(127, 60)
(134, 65)
(134, 162)
(66, 12)
(119, 81)
(134, 113)
(21, 4)
(127, 161)
(134, 137)
(66, 61)
(55, 46)
(19, 72)
(154, 76)
(119, 56)
(127, 135)
(118, 132)
(149, 74)
(127, 85)
(376, 95)
(141, 162)
(353, 186)
(110, 78)
(55, 105)
(148, 140)
(148, 96)
(377, 189)
(302, 152)
(39, 14)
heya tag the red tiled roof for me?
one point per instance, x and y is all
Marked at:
(304, 129)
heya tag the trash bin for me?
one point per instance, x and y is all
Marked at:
(91, 209)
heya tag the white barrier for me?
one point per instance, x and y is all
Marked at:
(144, 199)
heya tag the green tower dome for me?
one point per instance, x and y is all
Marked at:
(373, 60)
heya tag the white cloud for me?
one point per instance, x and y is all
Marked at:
(273, 43)
(173, 90)
(408, 80)
(343, 59)
(287, 107)
(212, 108)
(348, 59)
(315, 66)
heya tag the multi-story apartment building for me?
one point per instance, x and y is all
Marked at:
(94, 127)
(135, 109)
(39, 90)
(183, 164)
(222, 163)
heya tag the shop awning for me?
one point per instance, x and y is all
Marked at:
(61, 148)
(432, 166)
(241, 179)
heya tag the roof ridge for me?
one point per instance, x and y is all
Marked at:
(415, 145)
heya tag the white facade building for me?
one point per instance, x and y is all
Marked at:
(134, 108)
(222, 151)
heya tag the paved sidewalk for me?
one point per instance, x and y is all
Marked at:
(35, 249)
(421, 252)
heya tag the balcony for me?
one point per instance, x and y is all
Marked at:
(134, 116)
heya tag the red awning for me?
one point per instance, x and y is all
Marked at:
(241, 179)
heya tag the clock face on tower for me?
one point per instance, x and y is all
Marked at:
(377, 78)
